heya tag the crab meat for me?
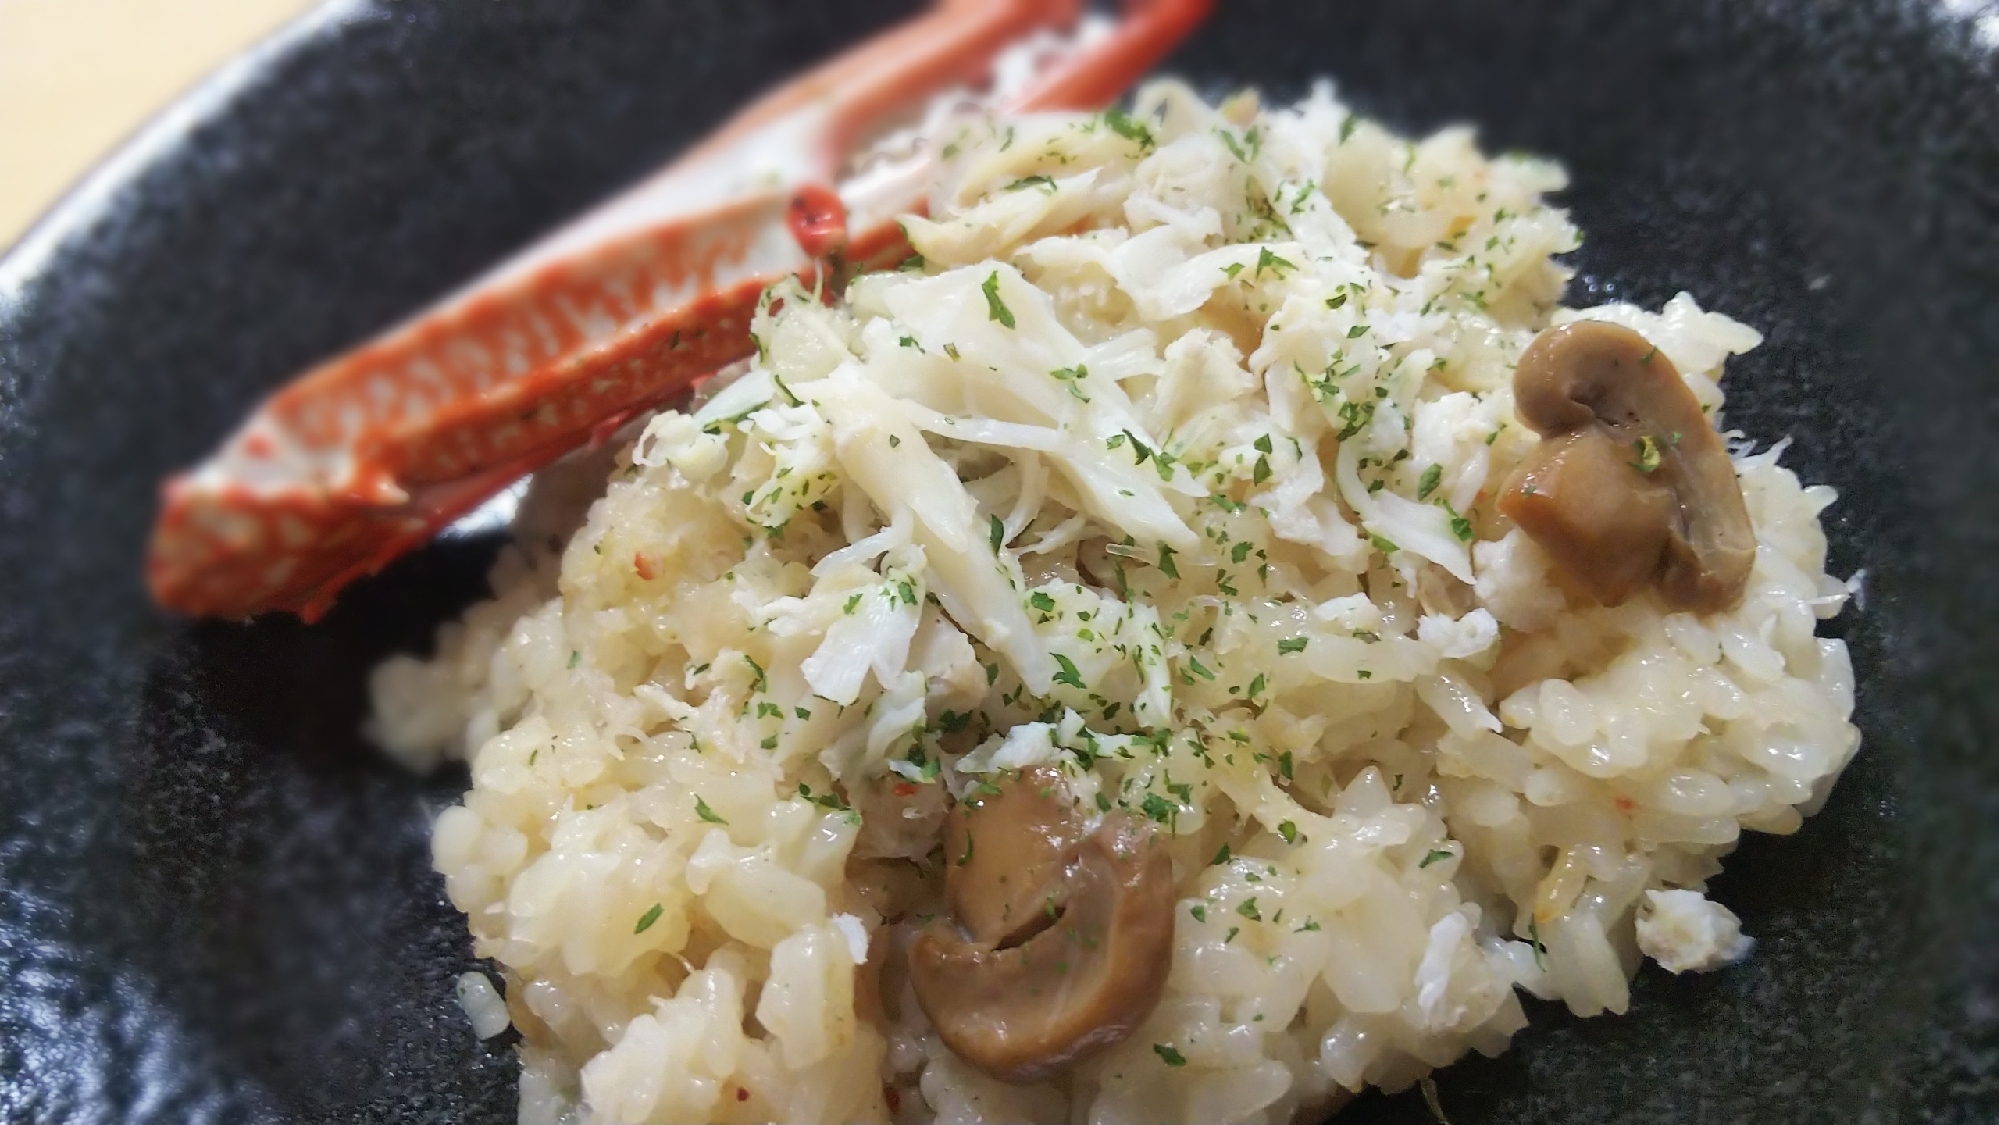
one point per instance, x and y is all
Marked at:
(371, 453)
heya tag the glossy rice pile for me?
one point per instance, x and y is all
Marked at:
(1170, 463)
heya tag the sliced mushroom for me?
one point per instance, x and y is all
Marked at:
(1006, 849)
(1630, 486)
(1064, 958)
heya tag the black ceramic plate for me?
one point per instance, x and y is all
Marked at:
(216, 903)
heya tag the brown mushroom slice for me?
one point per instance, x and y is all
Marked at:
(1607, 540)
(1024, 1012)
(1006, 848)
(1630, 486)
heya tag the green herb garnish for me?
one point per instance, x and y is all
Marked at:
(1648, 455)
(1265, 260)
(1130, 128)
(1068, 675)
(996, 308)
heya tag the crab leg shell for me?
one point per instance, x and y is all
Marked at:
(369, 454)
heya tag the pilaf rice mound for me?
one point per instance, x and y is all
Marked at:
(1171, 463)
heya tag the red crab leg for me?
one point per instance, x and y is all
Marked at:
(372, 452)
(1149, 29)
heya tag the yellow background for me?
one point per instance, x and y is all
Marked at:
(78, 76)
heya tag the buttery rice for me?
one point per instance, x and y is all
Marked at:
(1171, 463)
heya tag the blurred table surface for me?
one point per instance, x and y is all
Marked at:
(79, 76)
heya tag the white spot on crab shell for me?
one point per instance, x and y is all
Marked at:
(418, 401)
(386, 392)
(293, 532)
(513, 354)
(279, 572)
(546, 336)
(237, 531)
(496, 514)
(620, 290)
(421, 369)
(592, 319)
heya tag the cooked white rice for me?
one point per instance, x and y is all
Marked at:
(1175, 456)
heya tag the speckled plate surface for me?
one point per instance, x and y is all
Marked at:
(216, 903)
